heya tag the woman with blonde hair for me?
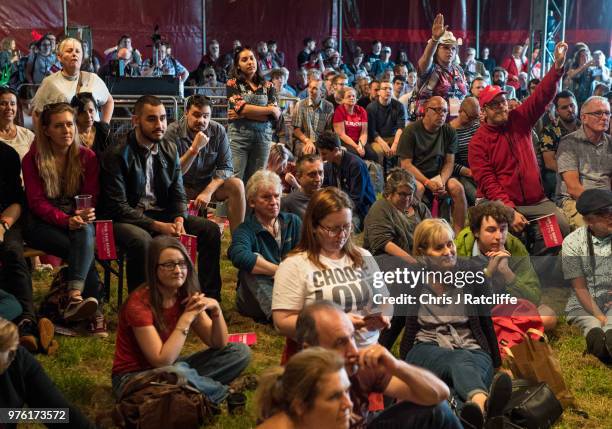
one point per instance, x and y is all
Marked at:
(24, 382)
(448, 334)
(326, 264)
(70, 81)
(311, 391)
(55, 171)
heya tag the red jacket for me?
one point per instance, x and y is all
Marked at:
(39, 204)
(502, 158)
(510, 66)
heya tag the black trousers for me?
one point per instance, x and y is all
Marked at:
(15, 277)
(135, 242)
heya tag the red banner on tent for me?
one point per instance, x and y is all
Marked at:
(550, 231)
(105, 240)
(191, 244)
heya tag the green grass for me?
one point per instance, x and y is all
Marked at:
(82, 366)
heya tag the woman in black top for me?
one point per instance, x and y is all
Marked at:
(94, 135)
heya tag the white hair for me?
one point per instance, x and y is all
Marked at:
(262, 179)
(594, 98)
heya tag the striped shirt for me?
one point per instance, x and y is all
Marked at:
(464, 135)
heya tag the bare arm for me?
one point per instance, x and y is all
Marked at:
(11, 214)
(407, 165)
(414, 384)
(262, 266)
(157, 352)
(107, 110)
(584, 297)
(339, 129)
(549, 160)
(447, 167)
(572, 181)
(285, 321)
(211, 330)
(437, 30)
(393, 249)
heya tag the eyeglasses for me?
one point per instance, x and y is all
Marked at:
(405, 194)
(439, 110)
(496, 104)
(171, 265)
(599, 114)
(208, 75)
(334, 232)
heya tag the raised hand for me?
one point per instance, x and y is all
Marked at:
(560, 54)
(438, 28)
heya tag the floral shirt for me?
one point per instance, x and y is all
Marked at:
(239, 93)
(551, 136)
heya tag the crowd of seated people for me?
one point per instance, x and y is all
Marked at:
(462, 189)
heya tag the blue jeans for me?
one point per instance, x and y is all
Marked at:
(254, 295)
(74, 246)
(409, 415)
(209, 371)
(250, 144)
(466, 372)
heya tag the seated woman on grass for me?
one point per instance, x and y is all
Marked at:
(156, 319)
(455, 340)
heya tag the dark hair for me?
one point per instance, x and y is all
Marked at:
(500, 69)
(81, 99)
(495, 209)
(151, 100)
(271, 42)
(19, 113)
(122, 38)
(276, 73)
(475, 79)
(236, 73)
(375, 41)
(199, 101)
(308, 158)
(338, 77)
(307, 40)
(191, 285)
(563, 94)
(328, 140)
(534, 80)
(374, 81)
(396, 78)
(306, 324)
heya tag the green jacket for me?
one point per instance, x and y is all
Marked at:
(526, 283)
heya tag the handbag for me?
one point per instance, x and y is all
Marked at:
(533, 406)
(534, 360)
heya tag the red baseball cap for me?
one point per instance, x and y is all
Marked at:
(488, 94)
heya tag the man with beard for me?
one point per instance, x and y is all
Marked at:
(206, 160)
(567, 122)
(501, 153)
(143, 193)
(499, 78)
(421, 396)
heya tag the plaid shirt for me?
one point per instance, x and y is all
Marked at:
(313, 120)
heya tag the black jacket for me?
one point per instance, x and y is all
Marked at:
(123, 181)
(11, 189)
(103, 140)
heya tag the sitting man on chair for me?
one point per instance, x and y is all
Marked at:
(143, 194)
(427, 150)
(206, 160)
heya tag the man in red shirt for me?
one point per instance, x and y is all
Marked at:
(502, 157)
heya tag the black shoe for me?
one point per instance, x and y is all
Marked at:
(499, 395)
(608, 341)
(471, 416)
(28, 335)
(596, 343)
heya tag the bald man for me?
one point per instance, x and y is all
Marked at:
(466, 125)
(427, 149)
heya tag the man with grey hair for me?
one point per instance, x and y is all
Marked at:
(420, 394)
(584, 157)
(473, 67)
(260, 243)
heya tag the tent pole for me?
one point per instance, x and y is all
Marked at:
(203, 27)
(340, 27)
(65, 13)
